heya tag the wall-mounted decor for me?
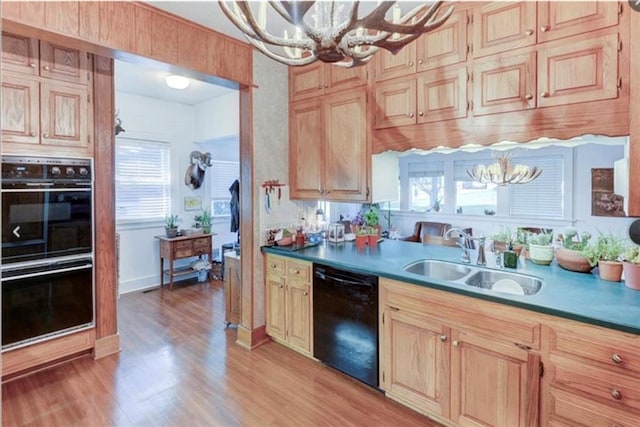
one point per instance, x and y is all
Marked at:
(195, 172)
(192, 203)
(604, 202)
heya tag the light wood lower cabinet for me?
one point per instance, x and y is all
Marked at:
(289, 303)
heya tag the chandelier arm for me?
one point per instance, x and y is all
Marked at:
(287, 61)
(424, 25)
(349, 24)
(277, 6)
(236, 20)
(296, 10)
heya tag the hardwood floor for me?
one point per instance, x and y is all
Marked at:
(180, 367)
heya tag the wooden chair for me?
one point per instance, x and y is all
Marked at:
(427, 228)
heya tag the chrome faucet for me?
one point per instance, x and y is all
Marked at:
(482, 260)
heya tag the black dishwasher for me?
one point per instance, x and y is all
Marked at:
(345, 322)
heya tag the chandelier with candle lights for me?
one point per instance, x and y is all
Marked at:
(332, 31)
(504, 172)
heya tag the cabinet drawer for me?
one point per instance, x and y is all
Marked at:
(202, 245)
(602, 384)
(183, 253)
(615, 349)
(275, 266)
(567, 409)
(299, 270)
(182, 245)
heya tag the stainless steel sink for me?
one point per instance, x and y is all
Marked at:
(500, 281)
(439, 270)
(479, 277)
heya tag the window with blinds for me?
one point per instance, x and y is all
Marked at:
(222, 176)
(544, 196)
(426, 181)
(143, 180)
(473, 198)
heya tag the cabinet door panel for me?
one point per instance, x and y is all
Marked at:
(341, 78)
(306, 82)
(416, 369)
(20, 54)
(442, 95)
(64, 114)
(298, 315)
(395, 103)
(275, 316)
(504, 84)
(580, 71)
(446, 45)
(563, 19)
(347, 149)
(61, 63)
(306, 139)
(493, 384)
(20, 110)
(502, 26)
(388, 65)
(62, 17)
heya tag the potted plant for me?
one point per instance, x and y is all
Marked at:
(374, 234)
(540, 248)
(171, 225)
(357, 223)
(631, 268)
(569, 256)
(204, 221)
(606, 254)
(372, 219)
(500, 240)
(361, 237)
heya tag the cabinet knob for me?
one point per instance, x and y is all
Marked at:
(320, 86)
(273, 266)
(529, 32)
(326, 85)
(306, 293)
(281, 286)
(32, 65)
(410, 63)
(544, 28)
(296, 272)
(33, 134)
(616, 358)
(420, 113)
(320, 190)
(45, 135)
(411, 114)
(616, 394)
(46, 68)
(456, 343)
(528, 97)
(443, 338)
(326, 191)
(544, 94)
(420, 61)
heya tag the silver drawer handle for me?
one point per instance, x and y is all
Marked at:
(616, 358)
(616, 394)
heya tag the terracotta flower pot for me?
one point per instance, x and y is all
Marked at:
(631, 275)
(361, 241)
(610, 270)
(572, 260)
(372, 239)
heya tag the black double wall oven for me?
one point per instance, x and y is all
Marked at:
(47, 248)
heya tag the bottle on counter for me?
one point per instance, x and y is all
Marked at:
(510, 258)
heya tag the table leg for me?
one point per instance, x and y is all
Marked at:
(171, 274)
(161, 272)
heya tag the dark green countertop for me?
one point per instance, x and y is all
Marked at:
(577, 296)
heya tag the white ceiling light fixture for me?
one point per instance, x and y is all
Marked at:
(332, 31)
(177, 82)
(503, 172)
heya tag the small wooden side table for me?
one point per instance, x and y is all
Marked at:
(181, 247)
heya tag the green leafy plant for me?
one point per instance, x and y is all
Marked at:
(371, 216)
(522, 237)
(632, 255)
(573, 241)
(373, 231)
(203, 220)
(541, 239)
(607, 248)
(171, 221)
(504, 235)
(362, 231)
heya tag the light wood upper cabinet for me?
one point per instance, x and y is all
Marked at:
(64, 114)
(395, 103)
(493, 384)
(446, 45)
(581, 71)
(319, 79)
(558, 19)
(503, 26)
(20, 54)
(306, 142)
(20, 109)
(346, 157)
(328, 147)
(61, 63)
(388, 65)
(505, 83)
(416, 361)
(442, 95)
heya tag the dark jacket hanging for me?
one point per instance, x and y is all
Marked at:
(235, 205)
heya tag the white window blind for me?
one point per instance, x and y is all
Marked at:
(425, 169)
(542, 197)
(143, 180)
(460, 168)
(222, 176)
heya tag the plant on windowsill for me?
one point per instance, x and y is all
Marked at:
(606, 253)
(171, 225)
(631, 268)
(569, 256)
(372, 219)
(540, 248)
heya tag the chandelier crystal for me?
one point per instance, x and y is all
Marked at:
(503, 172)
(332, 31)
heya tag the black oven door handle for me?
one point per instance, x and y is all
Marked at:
(40, 184)
(44, 273)
(341, 281)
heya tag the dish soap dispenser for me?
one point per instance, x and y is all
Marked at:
(510, 258)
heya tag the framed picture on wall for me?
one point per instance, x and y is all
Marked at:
(193, 203)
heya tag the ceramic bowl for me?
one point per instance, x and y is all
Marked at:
(572, 260)
(285, 241)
